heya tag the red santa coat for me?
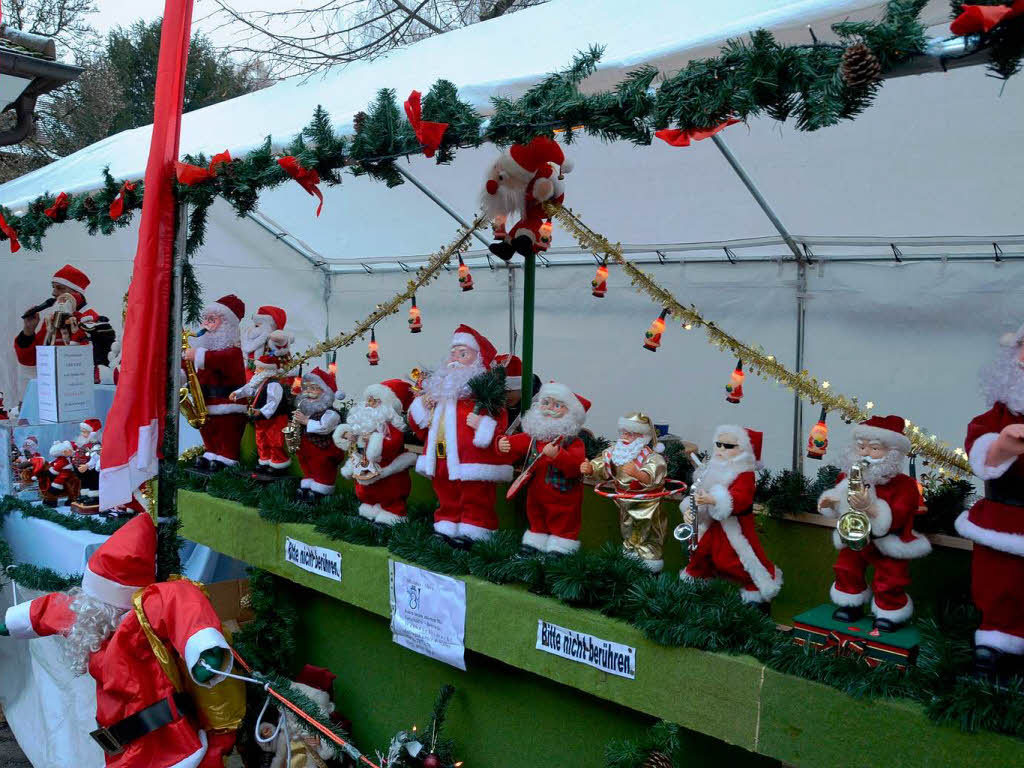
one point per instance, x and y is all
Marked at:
(60, 471)
(318, 456)
(221, 372)
(472, 455)
(128, 676)
(382, 497)
(25, 347)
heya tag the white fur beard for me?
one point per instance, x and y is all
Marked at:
(95, 622)
(313, 406)
(724, 471)
(225, 337)
(546, 428)
(879, 472)
(1002, 380)
(623, 453)
(363, 420)
(451, 383)
(254, 339)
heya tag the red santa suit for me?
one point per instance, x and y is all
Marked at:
(728, 546)
(266, 408)
(318, 456)
(3, 411)
(894, 542)
(462, 461)
(25, 345)
(996, 526)
(268, 318)
(54, 481)
(128, 676)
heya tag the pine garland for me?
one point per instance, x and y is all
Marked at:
(268, 641)
(72, 522)
(662, 737)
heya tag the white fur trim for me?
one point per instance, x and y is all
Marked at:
(19, 622)
(485, 430)
(221, 408)
(979, 454)
(722, 507)
(513, 383)
(846, 600)
(488, 473)
(562, 546)
(200, 359)
(885, 436)
(685, 575)
(881, 523)
(210, 455)
(277, 464)
(388, 518)
(536, 540)
(401, 463)
(475, 532)
(204, 640)
(369, 511)
(418, 413)
(893, 546)
(384, 394)
(375, 446)
(196, 758)
(898, 615)
(322, 488)
(446, 528)
(837, 495)
(1001, 641)
(565, 395)
(424, 466)
(109, 591)
(628, 425)
(68, 284)
(1012, 543)
(768, 585)
(654, 566)
(338, 437)
(466, 340)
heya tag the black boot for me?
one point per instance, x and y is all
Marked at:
(526, 552)
(523, 246)
(765, 607)
(217, 466)
(886, 625)
(848, 613)
(202, 464)
(987, 662)
(502, 249)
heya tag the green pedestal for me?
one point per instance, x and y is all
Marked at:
(818, 629)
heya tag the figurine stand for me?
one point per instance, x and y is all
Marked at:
(816, 628)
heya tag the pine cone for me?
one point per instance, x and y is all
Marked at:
(658, 760)
(860, 66)
(359, 121)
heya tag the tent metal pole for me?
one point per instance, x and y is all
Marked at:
(167, 489)
(281, 235)
(440, 203)
(801, 287)
(529, 289)
(328, 291)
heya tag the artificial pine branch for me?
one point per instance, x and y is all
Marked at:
(443, 105)
(488, 390)
(267, 642)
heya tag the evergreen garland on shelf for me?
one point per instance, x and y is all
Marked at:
(655, 749)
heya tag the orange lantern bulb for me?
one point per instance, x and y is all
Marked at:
(415, 321)
(297, 385)
(372, 355)
(817, 441)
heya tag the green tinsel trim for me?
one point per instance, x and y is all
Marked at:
(488, 391)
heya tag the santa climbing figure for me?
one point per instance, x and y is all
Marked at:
(552, 451)
(217, 356)
(256, 337)
(86, 461)
(374, 437)
(318, 456)
(117, 626)
(459, 454)
(995, 445)
(3, 409)
(721, 505)
(890, 499)
(269, 410)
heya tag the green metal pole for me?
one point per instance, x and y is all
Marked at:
(529, 284)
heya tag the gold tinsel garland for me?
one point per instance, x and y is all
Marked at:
(764, 365)
(424, 275)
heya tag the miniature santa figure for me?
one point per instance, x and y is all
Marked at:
(374, 434)
(636, 465)
(279, 345)
(217, 356)
(890, 500)
(459, 454)
(727, 543)
(30, 463)
(552, 451)
(256, 338)
(269, 412)
(3, 410)
(112, 625)
(995, 445)
(59, 480)
(87, 461)
(318, 456)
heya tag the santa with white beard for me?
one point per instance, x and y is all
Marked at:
(995, 444)
(318, 456)
(550, 444)
(727, 543)
(459, 454)
(217, 356)
(890, 500)
(256, 337)
(116, 627)
(269, 412)
(379, 465)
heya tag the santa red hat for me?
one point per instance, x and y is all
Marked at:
(524, 161)
(888, 430)
(91, 425)
(123, 564)
(229, 303)
(467, 337)
(59, 448)
(513, 371)
(577, 404)
(266, 363)
(395, 392)
(322, 378)
(72, 278)
(749, 439)
(276, 315)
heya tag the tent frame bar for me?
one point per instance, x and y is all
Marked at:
(285, 237)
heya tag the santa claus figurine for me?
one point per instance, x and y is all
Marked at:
(721, 506)
(318, 456)
(87, 461)
(59, 480)
(29, 462)
(890, 499)
(374, 436)
(114, 626)
(995, 445)
(3, 410)
(552, 452)
(256, 337)
(269, 411)
(305, 745)
(217, 356)
(459, 454)
(636, 465)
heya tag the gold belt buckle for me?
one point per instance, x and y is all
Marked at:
(441, 451)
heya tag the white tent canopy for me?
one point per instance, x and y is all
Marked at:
(928, 168)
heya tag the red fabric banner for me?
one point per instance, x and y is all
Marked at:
(192, 174)
(308, 178)
(117, 204)
(427, 133)
(134, 430)
(679, 137)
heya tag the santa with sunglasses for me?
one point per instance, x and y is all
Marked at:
(723, 497)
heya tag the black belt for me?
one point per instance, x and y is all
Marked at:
(1005, 490)
(218, 392)
(115, 738)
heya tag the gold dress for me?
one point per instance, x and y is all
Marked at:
(643, 524)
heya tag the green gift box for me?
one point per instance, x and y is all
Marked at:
(816, 628)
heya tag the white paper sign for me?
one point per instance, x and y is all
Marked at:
(613, 658)
(428, 613)
(322, 562)
(65, 383)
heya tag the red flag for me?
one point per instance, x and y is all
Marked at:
(192, 174)
(678, 137)
(117, 205)
(134, 428)
(427, 133)
(10, 233)
(59, 208)
(308, 178)
(974, 19)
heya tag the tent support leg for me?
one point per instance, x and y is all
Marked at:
(167, 490)
(801, 290)
(328, 291)
(529, 289)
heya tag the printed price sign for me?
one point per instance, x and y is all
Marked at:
(428, 613)
(613, 658)
(65, 383)
(323, 562)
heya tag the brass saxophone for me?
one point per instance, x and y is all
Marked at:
(293, 434)
(190, 397)
(854, 526)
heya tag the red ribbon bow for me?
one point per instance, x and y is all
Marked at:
(427, 133)
(308, 178)
(843, 646)
(679, 137)
(59, 207)
(117, 206)
(975, 19)
(192, 174)
(10, 234)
